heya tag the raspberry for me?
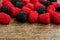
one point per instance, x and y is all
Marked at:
(50, 8)
(46, 3)
(56, 17)
(30, 5)
(4, 18)
(55, 4)
(38, 5)
(19, 4)
(9, 0)
(21, 17)
(34, 1)
(8, 4)
(44, 18)
(3, 1)
(41, 10)
(5, 9)
(33, 16)
(1, 5)
(14, 11)
(52, 0)
(26, 9)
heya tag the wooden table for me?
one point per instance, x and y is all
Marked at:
(27, 31)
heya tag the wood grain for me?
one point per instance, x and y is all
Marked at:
(27, 31)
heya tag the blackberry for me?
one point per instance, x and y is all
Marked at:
(58, 9)
(52, 0)
(21, 17)
(46, 3)
(14, 1)
(41, 10)
(5, 9)
(0, 10)
(19, 4)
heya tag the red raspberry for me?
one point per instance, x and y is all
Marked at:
(4, 18)
(9, 4)
(44, 18)
(3, 1)
(26, 9)
(50, 8)
(30, 5)
(9, 0)
(39, 5)
(15, 11)
(34, 1)
(33, 16)
(26, 1)
(56, 17)
(1, 5)
(55, 4)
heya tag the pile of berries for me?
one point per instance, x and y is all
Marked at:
(43, 11)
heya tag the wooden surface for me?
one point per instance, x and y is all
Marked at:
(26, 31)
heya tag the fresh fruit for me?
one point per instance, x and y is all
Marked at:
(56, 17)
(33, 16)
(50, 8)
(5, 9)
(14, 1)
(4, 18)
(46, 3)
(58, 9)
(38, 5)
(34, 1)
(41, 10)
(14, 11)
(26, 9)
(21, 17)
(30, 5)
(44, 18)
(19, 4)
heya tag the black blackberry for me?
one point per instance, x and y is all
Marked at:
(21, 17)
(14, 1)
(52, 0)
(0, 10)
(5, 9)
(58, 9)
(46, 3)
(41, 10)
(19, 4)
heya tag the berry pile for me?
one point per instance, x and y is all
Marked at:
(43, 11)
